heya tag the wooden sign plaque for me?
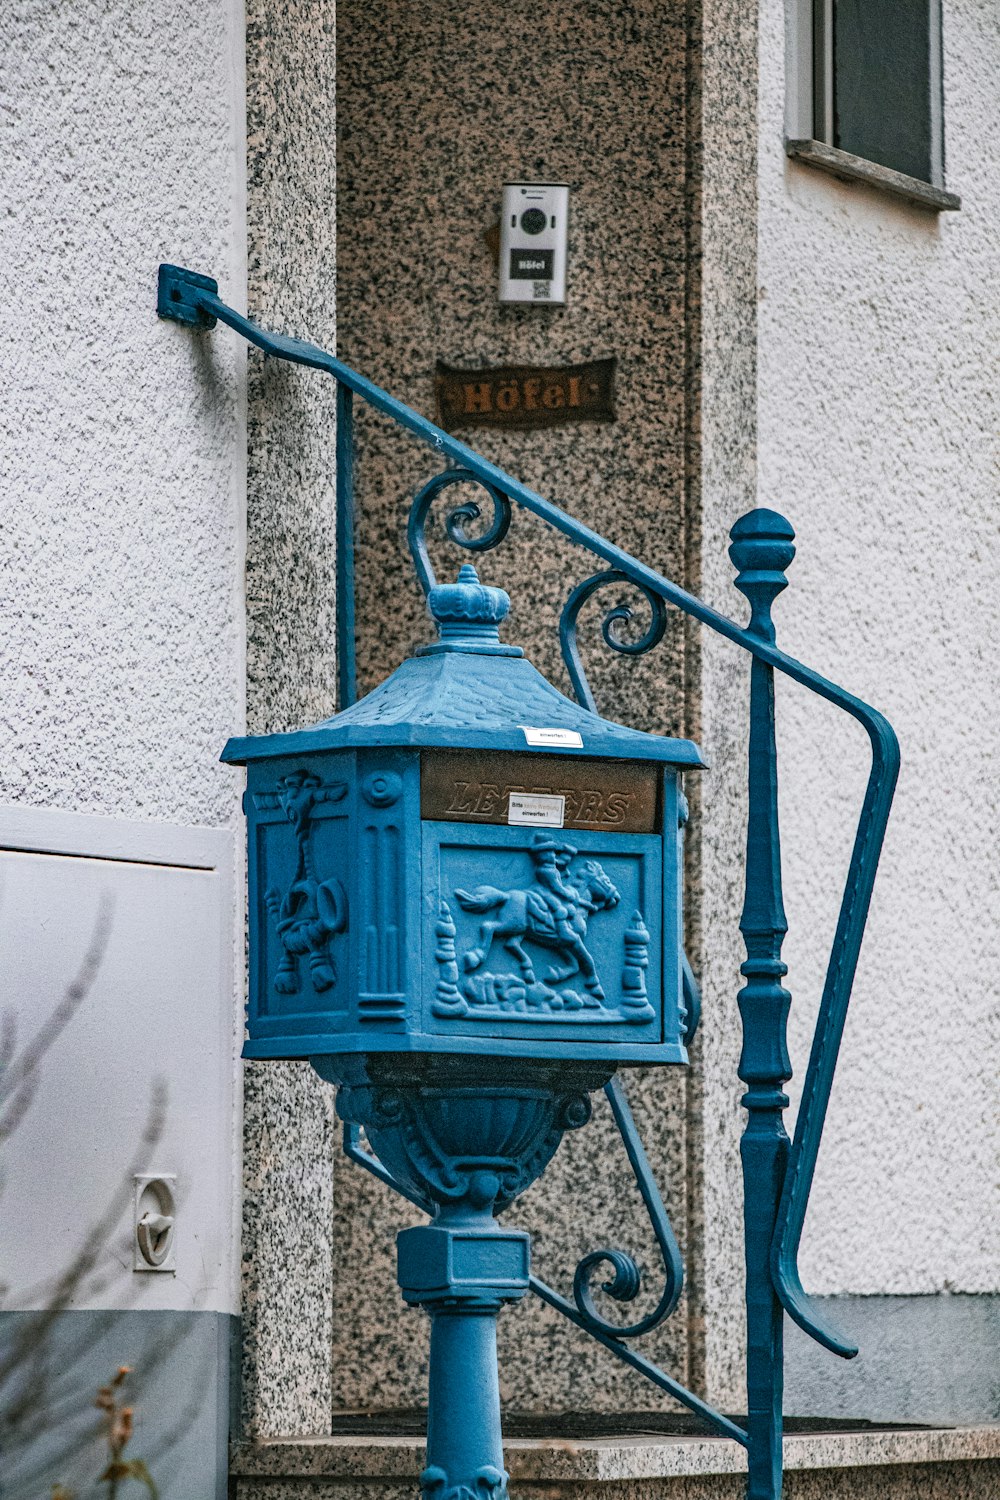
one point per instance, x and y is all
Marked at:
(525, 396)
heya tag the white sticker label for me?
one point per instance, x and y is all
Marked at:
(566, 738)
(536, 807)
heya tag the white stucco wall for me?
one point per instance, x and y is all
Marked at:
(878, 414)
(123, 443)
(122, 436)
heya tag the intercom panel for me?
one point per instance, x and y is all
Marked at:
(533, 227)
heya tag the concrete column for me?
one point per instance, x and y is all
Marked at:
(725, 426)
(289, 1139)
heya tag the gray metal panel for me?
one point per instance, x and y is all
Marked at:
(180, 1385)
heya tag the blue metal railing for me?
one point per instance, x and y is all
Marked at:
(778, 1173)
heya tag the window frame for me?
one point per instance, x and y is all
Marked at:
(810, 90)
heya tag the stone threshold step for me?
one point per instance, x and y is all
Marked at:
(556, 1426)
(615, 1459)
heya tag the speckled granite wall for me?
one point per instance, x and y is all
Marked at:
(433, 118)
(288, 1136)
(435, 111)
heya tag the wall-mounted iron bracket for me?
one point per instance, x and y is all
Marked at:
(778, 1173)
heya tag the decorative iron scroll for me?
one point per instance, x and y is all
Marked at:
(456, 521)
(619, 614)
(625, 1281)
(455, 526)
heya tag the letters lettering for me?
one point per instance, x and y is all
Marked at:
(478, 397)
(459, 803)
(473, 787)
(488, 799)
(616, 807)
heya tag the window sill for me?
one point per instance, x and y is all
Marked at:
(855, 169)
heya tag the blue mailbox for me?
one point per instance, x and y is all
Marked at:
(465, 909)
(466, 861)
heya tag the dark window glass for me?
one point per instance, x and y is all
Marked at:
(878, 98)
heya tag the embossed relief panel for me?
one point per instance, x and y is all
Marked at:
(675, 813)
(299, 864)
(547, 934)
(387, 878)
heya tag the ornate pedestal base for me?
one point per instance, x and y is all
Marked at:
(468, 1144)
(463, 1276)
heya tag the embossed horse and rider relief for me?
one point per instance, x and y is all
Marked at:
(543, 927)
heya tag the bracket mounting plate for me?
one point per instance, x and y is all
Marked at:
(177, 296)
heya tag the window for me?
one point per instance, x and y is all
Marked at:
(865, 96)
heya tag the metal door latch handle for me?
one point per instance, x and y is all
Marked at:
(153, 1233)
(154, 1222)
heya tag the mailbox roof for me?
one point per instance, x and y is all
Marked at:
(467, 691)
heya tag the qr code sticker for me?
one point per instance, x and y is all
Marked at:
(540, 290)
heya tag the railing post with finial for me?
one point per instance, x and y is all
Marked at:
(761, 550)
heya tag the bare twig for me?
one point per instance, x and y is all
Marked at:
(118, 1433)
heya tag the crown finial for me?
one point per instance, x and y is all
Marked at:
(468, 613)
(762, 549)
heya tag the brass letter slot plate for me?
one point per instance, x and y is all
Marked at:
(608, 796)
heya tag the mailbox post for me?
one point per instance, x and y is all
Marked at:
(465, 910)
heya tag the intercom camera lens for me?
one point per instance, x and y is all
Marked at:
(533, 221)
